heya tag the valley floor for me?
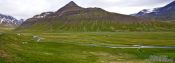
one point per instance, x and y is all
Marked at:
(5, 29)
(87, 47)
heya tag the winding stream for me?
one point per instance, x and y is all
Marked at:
(134, 46)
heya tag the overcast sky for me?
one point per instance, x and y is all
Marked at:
(27, 8)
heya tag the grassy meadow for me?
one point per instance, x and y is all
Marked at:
(6, 29)
(82, 47)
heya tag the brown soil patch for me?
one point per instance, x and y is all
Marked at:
(3, 54)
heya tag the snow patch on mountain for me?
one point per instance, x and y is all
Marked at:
(43, 15)
(162, 13)
(9, 20)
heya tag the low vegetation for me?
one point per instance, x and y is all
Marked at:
(98, 26)
(6, 29)
(73, 48)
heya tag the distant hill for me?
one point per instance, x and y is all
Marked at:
(73, 18)
(9, 21)
(165, 13)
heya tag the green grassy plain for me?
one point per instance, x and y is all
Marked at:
(5, 29)
(74, 48)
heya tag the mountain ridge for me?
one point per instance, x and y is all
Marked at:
(7, 20)
(71, 6)
(74, 18)
(164, 13)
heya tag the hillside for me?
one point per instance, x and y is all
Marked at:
(8, 23)
(73, 18)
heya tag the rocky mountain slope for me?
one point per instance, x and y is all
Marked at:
(74, 18)
(163, 13)
(6, 20)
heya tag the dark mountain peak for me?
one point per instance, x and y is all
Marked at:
(71, 6)
(166, 12)
(72, 3)
(171, 4)
(168, 6)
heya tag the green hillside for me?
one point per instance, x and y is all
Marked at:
(95, 25)
(72, 18)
